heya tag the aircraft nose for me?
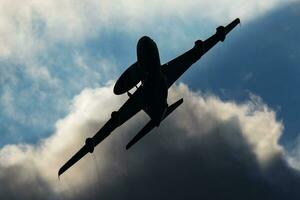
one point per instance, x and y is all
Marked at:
(145, 41)
(147, 52)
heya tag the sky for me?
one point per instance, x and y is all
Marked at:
(236, 133)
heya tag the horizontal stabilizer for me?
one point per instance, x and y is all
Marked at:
(172, 107)
(151, 124)
(141, 134)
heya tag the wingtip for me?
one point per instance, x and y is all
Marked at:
(129, 145)
(59, 173)
(238, 21)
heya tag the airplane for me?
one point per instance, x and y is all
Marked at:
(152, 93)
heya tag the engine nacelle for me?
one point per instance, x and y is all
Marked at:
(115, 117)
(89, 143)
(221, 33)
(199, 44)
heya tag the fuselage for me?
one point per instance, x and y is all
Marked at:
(154, 82)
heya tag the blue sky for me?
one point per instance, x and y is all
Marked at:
(38, 82)
(263, 59)
(58, 61)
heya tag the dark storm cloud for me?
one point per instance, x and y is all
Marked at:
(207, 149)
(170, 165)
(19, 182)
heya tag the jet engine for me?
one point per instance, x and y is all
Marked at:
(90, 144)
(221, 33)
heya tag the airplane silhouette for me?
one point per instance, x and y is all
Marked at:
(151, 95)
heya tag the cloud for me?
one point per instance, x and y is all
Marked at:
(264, 65)
(208, 145)
(31, 27)
(294, 154)
(207, 148)
(47, 47)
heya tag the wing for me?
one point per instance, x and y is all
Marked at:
(176, 67)
(132, 106)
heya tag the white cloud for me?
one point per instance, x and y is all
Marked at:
(199, 116)
(30, 27)
(294, 155)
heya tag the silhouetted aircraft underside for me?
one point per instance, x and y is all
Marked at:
(151, 95)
